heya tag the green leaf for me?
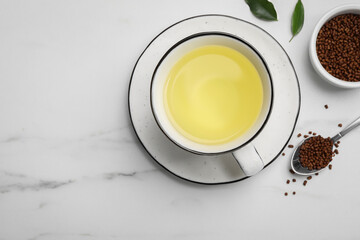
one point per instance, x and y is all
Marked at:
(262, 9)
(297, 20)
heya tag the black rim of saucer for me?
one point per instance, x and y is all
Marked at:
(129, 109)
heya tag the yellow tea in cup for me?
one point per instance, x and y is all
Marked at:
(213, 95)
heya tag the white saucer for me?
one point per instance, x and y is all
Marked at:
(222, 168)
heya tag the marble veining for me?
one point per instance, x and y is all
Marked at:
(72, 236)
(22, 182)
(111, 176)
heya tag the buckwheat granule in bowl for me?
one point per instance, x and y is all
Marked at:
(335, 46)
(338, 47)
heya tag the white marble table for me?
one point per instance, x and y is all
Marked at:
(72, 168)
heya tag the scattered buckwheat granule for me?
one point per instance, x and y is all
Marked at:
(330, 166)
(306, 136)
(339, 125)
(305, 182)
(294, 193)
(336, 151)
(286, 194)
(316, 152)
(294, 180)
(291, 146)
(283, 154)
(326, 106)
(314, 134)
(299, 135)
(309, 178)
(291, 171)
(317, 174)
(310, 132)
(338, 47)
(336, 145)
(287, 181)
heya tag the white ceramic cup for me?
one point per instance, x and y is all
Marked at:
(243, 150)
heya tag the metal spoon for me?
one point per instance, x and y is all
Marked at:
(295, 163)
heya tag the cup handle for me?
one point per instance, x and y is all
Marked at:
(249, 159)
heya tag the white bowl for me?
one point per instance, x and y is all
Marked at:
(350, 8)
